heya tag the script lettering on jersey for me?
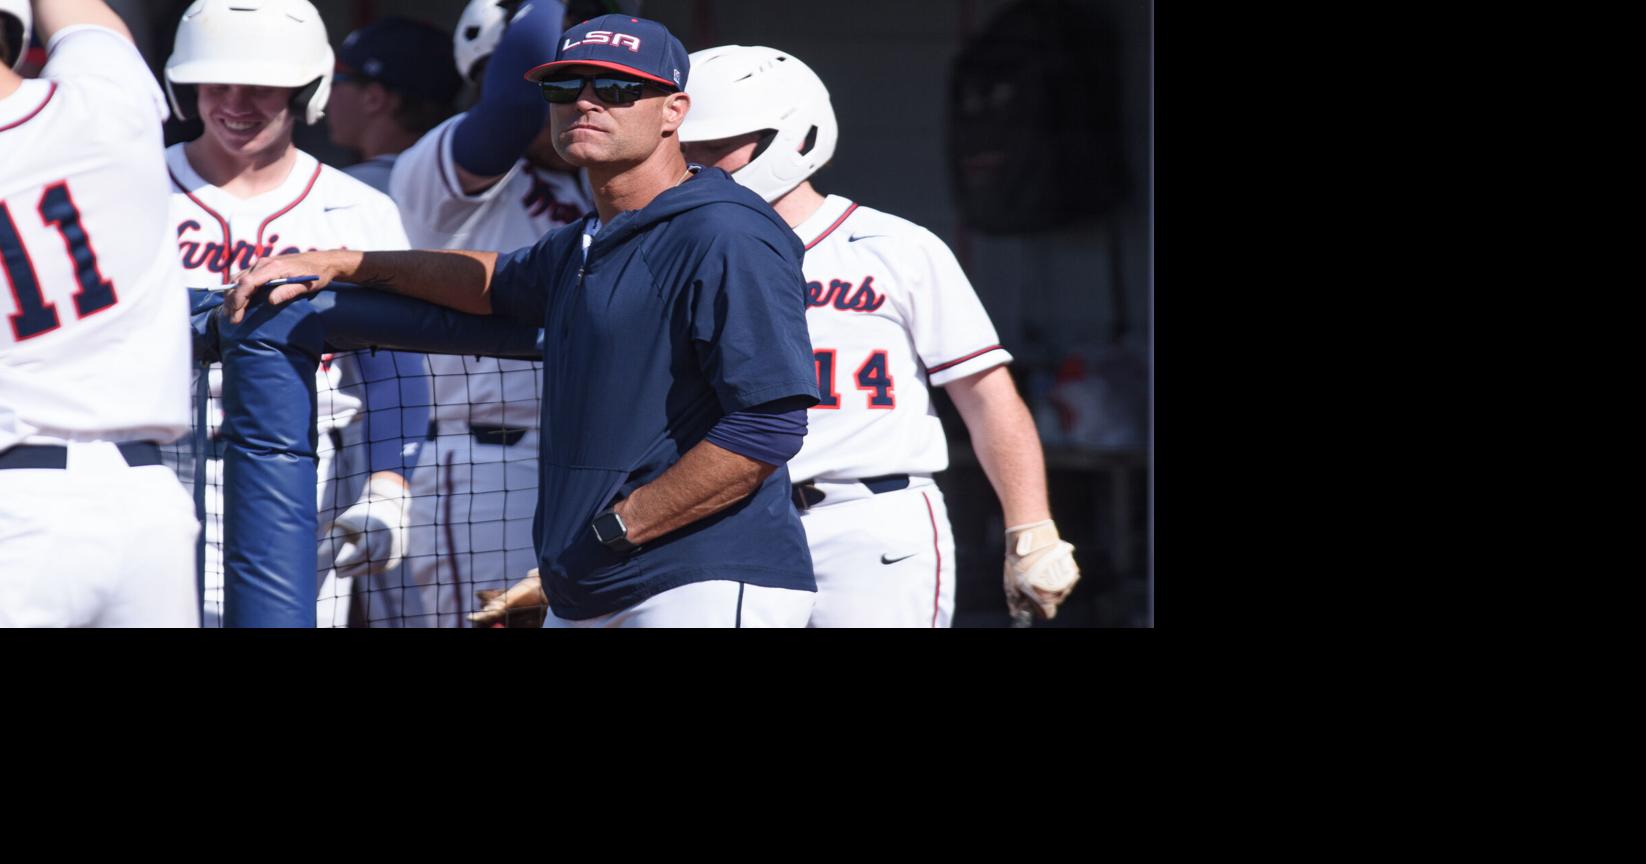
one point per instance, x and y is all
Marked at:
(540, 199)
(604, 37)
(840, 295)
(211, 255)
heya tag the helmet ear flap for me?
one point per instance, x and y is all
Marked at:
(303, 97)
(185, 99)
(11, 40)
(16, 20)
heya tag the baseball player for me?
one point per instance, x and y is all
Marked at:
(94, 341)
(890, 313)
(488, 179)
(395, 80)
(241, 191)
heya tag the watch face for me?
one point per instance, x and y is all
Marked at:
(608, 526)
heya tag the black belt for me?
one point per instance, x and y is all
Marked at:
(138, 454)
(806, 495)
(504, 435)
(507, 436)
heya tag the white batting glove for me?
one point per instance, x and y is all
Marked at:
(1040, 571)
(370, 537)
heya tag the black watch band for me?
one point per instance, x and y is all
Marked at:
(609, 529)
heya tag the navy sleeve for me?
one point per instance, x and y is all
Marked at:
(495, 132)
(397, 403)
(771, 433)
(521, 282)
(749, 322)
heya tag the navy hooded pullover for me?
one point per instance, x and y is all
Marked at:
(686, 310)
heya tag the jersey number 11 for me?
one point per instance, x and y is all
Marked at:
(34, 315)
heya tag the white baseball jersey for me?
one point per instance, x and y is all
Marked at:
(94, 341)
(512, 213)
(889, 311)
(317, 207)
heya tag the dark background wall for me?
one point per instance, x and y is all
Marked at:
(1069, 300)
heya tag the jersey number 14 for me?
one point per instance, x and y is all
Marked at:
(34, 314)
(872, 377)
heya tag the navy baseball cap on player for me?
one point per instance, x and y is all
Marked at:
(405, 55)
(636, 46)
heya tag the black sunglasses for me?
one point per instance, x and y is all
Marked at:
(611, 89)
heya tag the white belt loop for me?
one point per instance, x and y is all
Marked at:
(97, 456)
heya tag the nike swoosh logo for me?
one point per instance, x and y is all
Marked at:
(856, 237)
(338, 207)
(886, 560)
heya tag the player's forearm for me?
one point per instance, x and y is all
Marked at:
(50, 16)
(706, 480)
(1006, 443)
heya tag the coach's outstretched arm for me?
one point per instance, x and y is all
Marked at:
(457, 279)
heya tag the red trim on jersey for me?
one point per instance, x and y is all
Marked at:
(953, 363)
(96, 268)
(256, 250)
(30, 116)
(830, 230)
(937, 594)
(228, 243)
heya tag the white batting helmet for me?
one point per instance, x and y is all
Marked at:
(15, 22)
(477, 33)
(266, 43)
(482, 24)
(737, 89)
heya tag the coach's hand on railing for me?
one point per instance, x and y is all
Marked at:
(292, 277)
(523, 605)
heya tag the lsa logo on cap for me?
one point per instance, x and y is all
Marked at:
(605, 37)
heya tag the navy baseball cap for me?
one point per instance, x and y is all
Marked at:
(405, 55)
(637, 46)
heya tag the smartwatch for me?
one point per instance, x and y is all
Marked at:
(611, 532)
